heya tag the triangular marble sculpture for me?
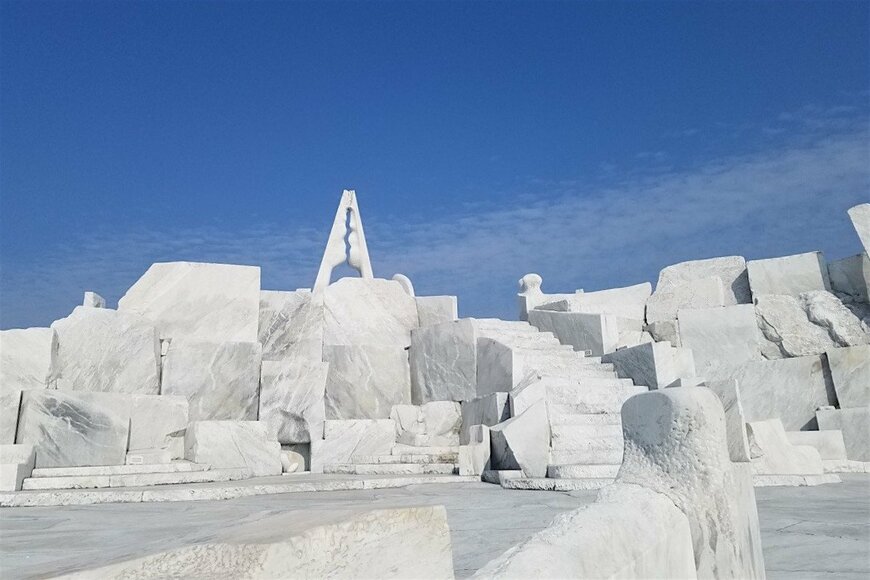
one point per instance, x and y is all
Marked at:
(344, 245)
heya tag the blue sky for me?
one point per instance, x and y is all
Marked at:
(593, 143)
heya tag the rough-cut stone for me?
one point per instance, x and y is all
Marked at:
(665, 330)
(627, 302)
(829, 444)
(364, 312)
(676, 445)
(475, 455)
(667, 301)
(488, 410)
(155, 422)
(596, 333)
(860, 216)
(435, 424)
(443, 362)
(219, 380)
(653, 364)
(209, 302)
(773, 454)
(94, 300)
(523, 442)
(75, 428)
(291, 461)
(290, 326)
(788, 389)
(850, 373)
(233, 444)
(365, 381)
(851, 276)
(826, 310)
(27, 356)
(291, 399)
(728, 392)
(16, 464)
(731, 270)
(786, 329)
(344, 440)
(791, 275)
(107, 351)
(855, 425)
(721, 339)
(436, 309)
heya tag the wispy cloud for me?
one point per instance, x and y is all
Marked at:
(789, 196)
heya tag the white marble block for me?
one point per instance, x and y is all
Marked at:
(219, 379)
(786, 329)
(291, 399)
(788, 389)
(851, 276)
(598, 333)
(827, 311)
(27, 356)
(829, 444)
(365, 381)
(474, 456)
(487, 410)
(728, 391)
(233, 444)
(676, 445)
(523, 442)
(850, 373)
(443, 362)
(107, 351)
(667, 300)
(731, 270)
(435, 424)
(291, 325)
(360, 312)
(436, 309)
(16, 464)
(773, 454)
(209, 302)
(156, 421)
(345, 439)
(94, 300)
(860, 216)
(654, 364)
(855, 425)
(75, 428)
(789, 275)
(625, 302)
(721, 339)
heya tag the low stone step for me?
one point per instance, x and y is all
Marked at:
(532, 342)
(575, 436)
(390, 468)
(547, 484)
(586, 419)
(422, 459)
(401, 449)
(499, 475)
(600, 471)
(177, 467)
(586, 456)
(591, 400)
(845, 466)
(134, 479)
(794, 480)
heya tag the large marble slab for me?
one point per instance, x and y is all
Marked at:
(75, 428)
(345, 439)
(523, 442)
(728, 392)
(211, 302)
(292, 399)
(443, 362)
(27, 356)
(220, 380)
(157, 422)
(233, 444)
(855, 425)
(693, 294)
(851, 276)
(721, 339)
(107, 351)
(291, 325)
(790, 275)
(653, 364)
(365, 381)
(359, 311)
(436, 309)
(860, 216)
(850, 373)
(731, 270)
(626, 302)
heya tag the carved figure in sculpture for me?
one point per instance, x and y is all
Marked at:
(346, 243)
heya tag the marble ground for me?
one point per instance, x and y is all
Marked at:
(807, 532)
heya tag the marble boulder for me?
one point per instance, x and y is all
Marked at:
(233, 444)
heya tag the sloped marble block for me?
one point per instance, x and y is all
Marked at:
(436, 309)
(773, 453)
(27, 357)
(855, 425)
(291, 325)
(344, 440)
(211, 302)
(75, 428)
(523, 442)
(364, 382)
(721, 339)
(107, 351)
(359, 311)
(851, 276)
(219, 380)
(789, 275)
(488, 410)
(667, 300)
(443, 362)
(860, 216)
(597, 333)
(653, 364)
(291, 400)
(233, 444)
(850, 372)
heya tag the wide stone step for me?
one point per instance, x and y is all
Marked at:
(177, 467)
(575, 436)
(134, 479)
(390, 468)
(548, 484)
(422, 459)
(586, 419)
(580, 471)
(401, 449)
(583, 400)
(586, 456)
